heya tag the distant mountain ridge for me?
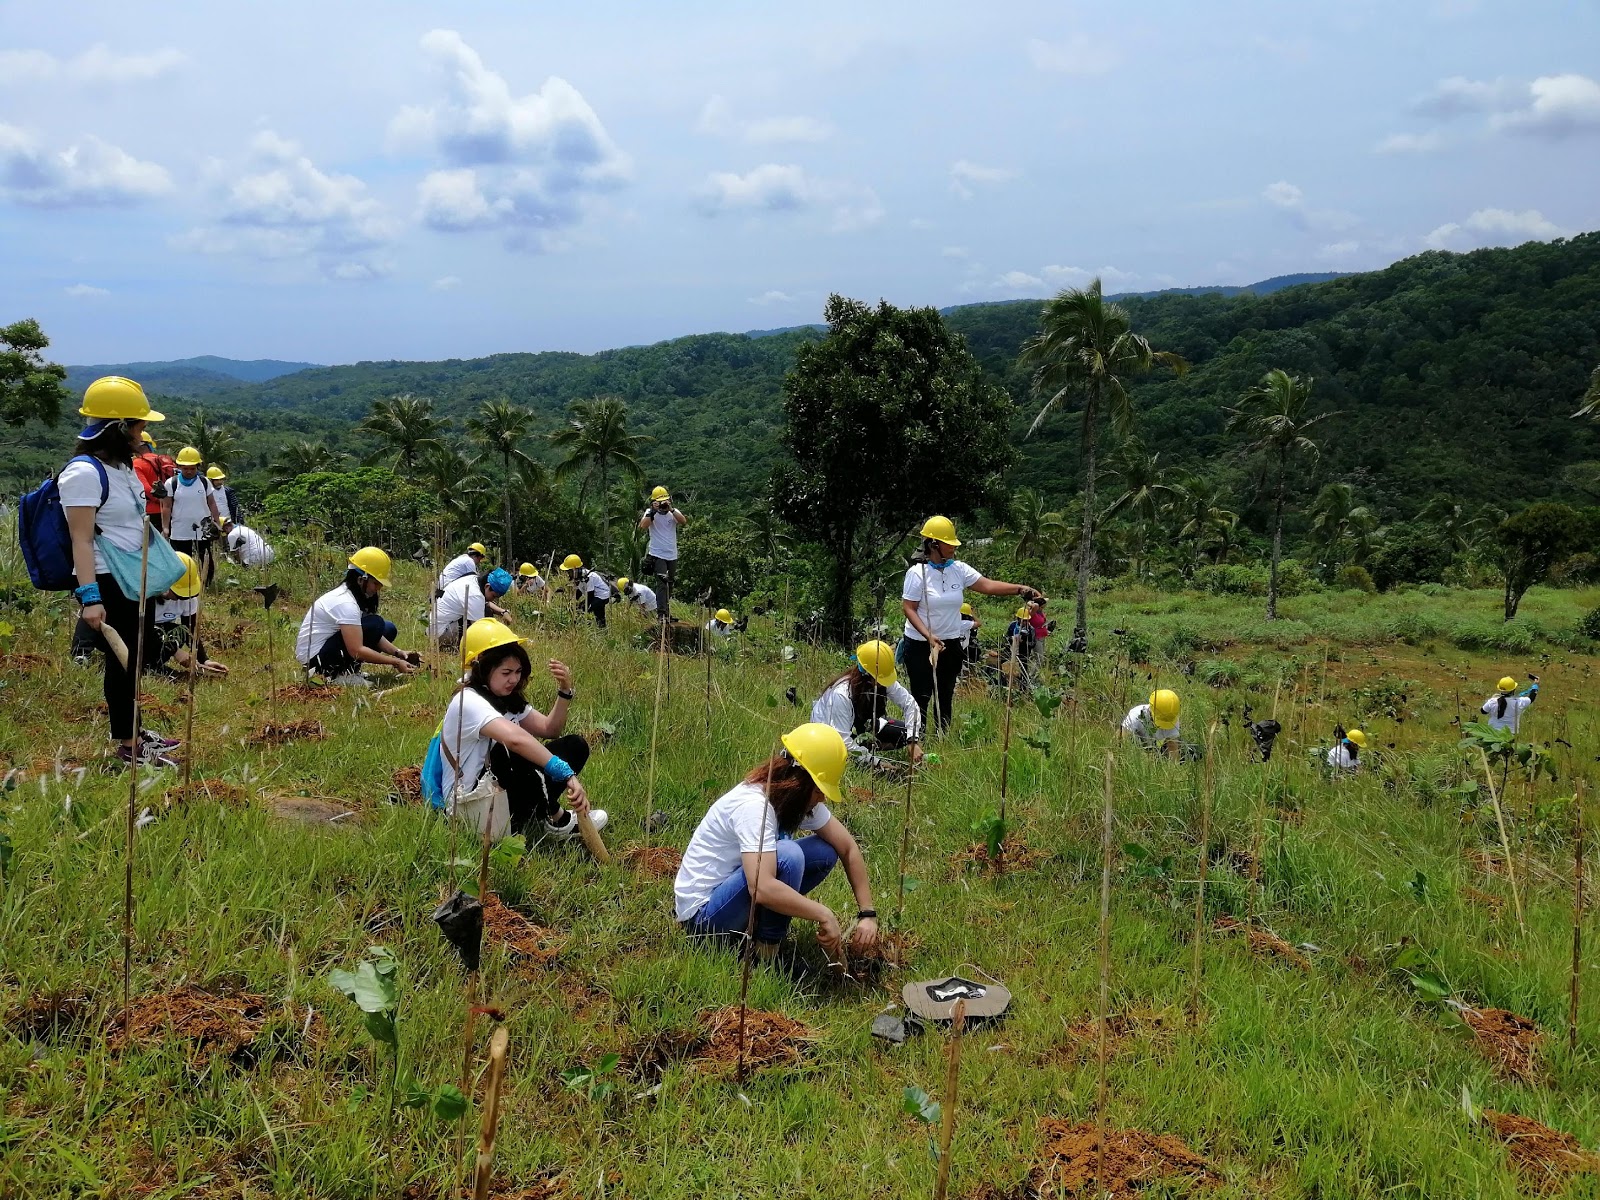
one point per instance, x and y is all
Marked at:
(195, 376)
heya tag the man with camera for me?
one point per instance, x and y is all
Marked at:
(661, 558)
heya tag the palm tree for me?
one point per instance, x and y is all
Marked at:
(1086, 347)
(405, 428)
(597, 441)
(1274, 415)
(1341, 527)
(499, 427)
(218, 444)
(768, 533)
(1201, 519)
(303, 458)
(466, 494)
(1146, 495)
(1035, 528)
(1591, 398)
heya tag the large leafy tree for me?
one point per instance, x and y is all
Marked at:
(405, 429)
(500, 427)
(888, 420)
(1276, 417)
(31, 389)
(1085, 351)
(218, 444)
(1532, 541)
(597, 443)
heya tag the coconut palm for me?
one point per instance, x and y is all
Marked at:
(218, 444)
(1034, 529)
(303, 458)
(768, 533)
(1201, 519)
(499, 427)
(1086, 349)
(597, 442)
(466, 494)
(1340, 526)
(1275, 416)
(1144, 497)
(405, 429)
(1591, 398)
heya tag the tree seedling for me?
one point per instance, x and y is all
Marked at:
(376, 992)
(593, 1083)
(918, 1104)
(991, 830)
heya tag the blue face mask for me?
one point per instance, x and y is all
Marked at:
(939, 566)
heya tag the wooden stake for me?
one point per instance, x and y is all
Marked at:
(1258, 846)
(491, 1114)
(591, 839)
(1505, 842)
(750, 921)
(1200, 890)
(188, 725)
(1105, 982)
(655, 725)
(1005, 749)
(952, 1079)
(705, 648)
(474, 979)
(905, 843)
(133, 768)
(1577, 917)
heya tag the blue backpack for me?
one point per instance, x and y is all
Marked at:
(43, 534)
(433, 770)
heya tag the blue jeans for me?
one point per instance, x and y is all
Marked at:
(334, 659)
(802, 863)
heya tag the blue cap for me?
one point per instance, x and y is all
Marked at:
(499, 581)
(96, 427)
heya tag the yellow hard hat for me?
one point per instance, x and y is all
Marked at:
(1356, 736)
(821, 751)
(189, 584)
(877, 659)
(1022, 613)
(216, 474)
(1164, 707)
(1508, 684)
(622, 584)
(147, 439)
(724, 615)
(485, 634)
(527, 570)
(941, 529)
(966, 610)
(659, 493)
(111, 397)
(373, 561)
(478, 548)
(571, 562)
(189, 457)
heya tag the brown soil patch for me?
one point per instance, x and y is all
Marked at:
(523, 940)
(207, 1022)
(408, 783)
(543, 1189)
(1068, 1163)
(1489, 901)
(1510, 1042)
(225, 637)
(657, 862)
(149, 706)
(1083, 1037)
(24, 662)
(1539, 1151)
(1264, 943)
(50, 1016)
(217, 791)
(311, 809)
(1016, 855)
(1487, 862)
(310, 691)
(771, 1040)
(290, 731)
(893, 950)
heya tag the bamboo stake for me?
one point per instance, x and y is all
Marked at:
(1200, 891)
(655, 725)
(750, 921)
(1577, 917)
(1105, 982)
(952, 1079)
(188, 725)
(1005, 748)
(705, 649)
(905, 843)
(1505, 842)
(473, 990)
(1258, 847)
(272, 666)
(491, 1114)
(133, 768)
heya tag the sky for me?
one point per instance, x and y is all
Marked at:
(376, 179)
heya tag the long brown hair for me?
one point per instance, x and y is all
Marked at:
(789, 789)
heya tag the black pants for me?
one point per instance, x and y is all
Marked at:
(664, 570)
(920, 677)
(891, 736)
(530, 795)
(597, 608)
(121, 684)
(333, 659)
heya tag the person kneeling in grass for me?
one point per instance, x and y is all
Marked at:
(177, 616)
(855, 705)
(745, 851)
(1347, 748)
(490, 726)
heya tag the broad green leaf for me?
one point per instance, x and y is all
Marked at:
(915, 1098)
(608, 1063)
(381, 1027)
(448, 1103)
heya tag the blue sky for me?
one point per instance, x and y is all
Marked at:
(363, 179)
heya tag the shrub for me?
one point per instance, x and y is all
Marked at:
(1217, 672)
(1413, 628)
(1181, 642)
(1483, 636)
(1589, 626)
(1354, 578)
(1250, 579)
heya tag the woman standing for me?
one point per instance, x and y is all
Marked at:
(489, 725)
(101, 495)
(931, 599)
(1505, 708)
(342, 629)
(855, 705)
(194, 499)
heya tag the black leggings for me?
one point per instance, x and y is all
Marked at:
(530, 795)
(920, 677)
(597, 608)
(122, 614)
(333, 659)
(664, 570)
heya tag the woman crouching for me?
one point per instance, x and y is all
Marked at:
(745, 851)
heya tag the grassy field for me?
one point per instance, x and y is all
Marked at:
(1312, 1067)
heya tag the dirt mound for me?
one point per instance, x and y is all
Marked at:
(1264, 943)
(1016, 855)
(24, 662)
(408, 783)
(310, 691)
(290, 731)
(50, 1016)
(1539, 1151)
(313, 810)
(893, 950)
(1489, 901)
(225, 637)
(1069, 1160)
(218, 791)
(1490, 863)
(657, 862)
(541, 1189)
(1083, 1037)
(208, 1022)
(771, 1040)
(1510, 1042)
(522, 939)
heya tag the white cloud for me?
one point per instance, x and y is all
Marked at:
(787, 188)
(717, 119)
(1078, 54)
(1338, 251)
(1495, 227)
(769, 298)
(1458, 96)
(279, 205)
(452, 200)
(1560, 105)
(1283, 194)
(1013, 281)
(447, 283)
(921, 224)
(86, 291)
(85, 174)
(1409, 143)
(1056, 277)
(96, 65)
(1290, 199)
(965, 174)
(954, 252)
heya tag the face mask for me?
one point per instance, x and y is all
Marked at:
(939, 566)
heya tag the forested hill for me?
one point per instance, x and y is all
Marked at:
(1454, 373)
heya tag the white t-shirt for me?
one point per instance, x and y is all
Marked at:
(462, 599)
(462, 734)
(967, 626)
(121, 518)
(644, 597)
(189, 507)
(462, 564)
(1142, 724)
(663, 535)
(720, 628)
(250, 546)
(1341, 758)
(1514, 709)
(940, 607)
(169, 611)
(596, 585)
(531, 585)
(734, 826)
(324, 619)
(834, 708)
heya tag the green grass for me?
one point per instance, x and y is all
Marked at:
(1337, 1082)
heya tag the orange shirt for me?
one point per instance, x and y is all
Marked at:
(148, 468)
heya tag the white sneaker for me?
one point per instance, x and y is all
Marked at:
(566, 830)
(351, 679)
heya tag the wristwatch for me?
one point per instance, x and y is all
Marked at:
(867, 914)
(565, 695)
